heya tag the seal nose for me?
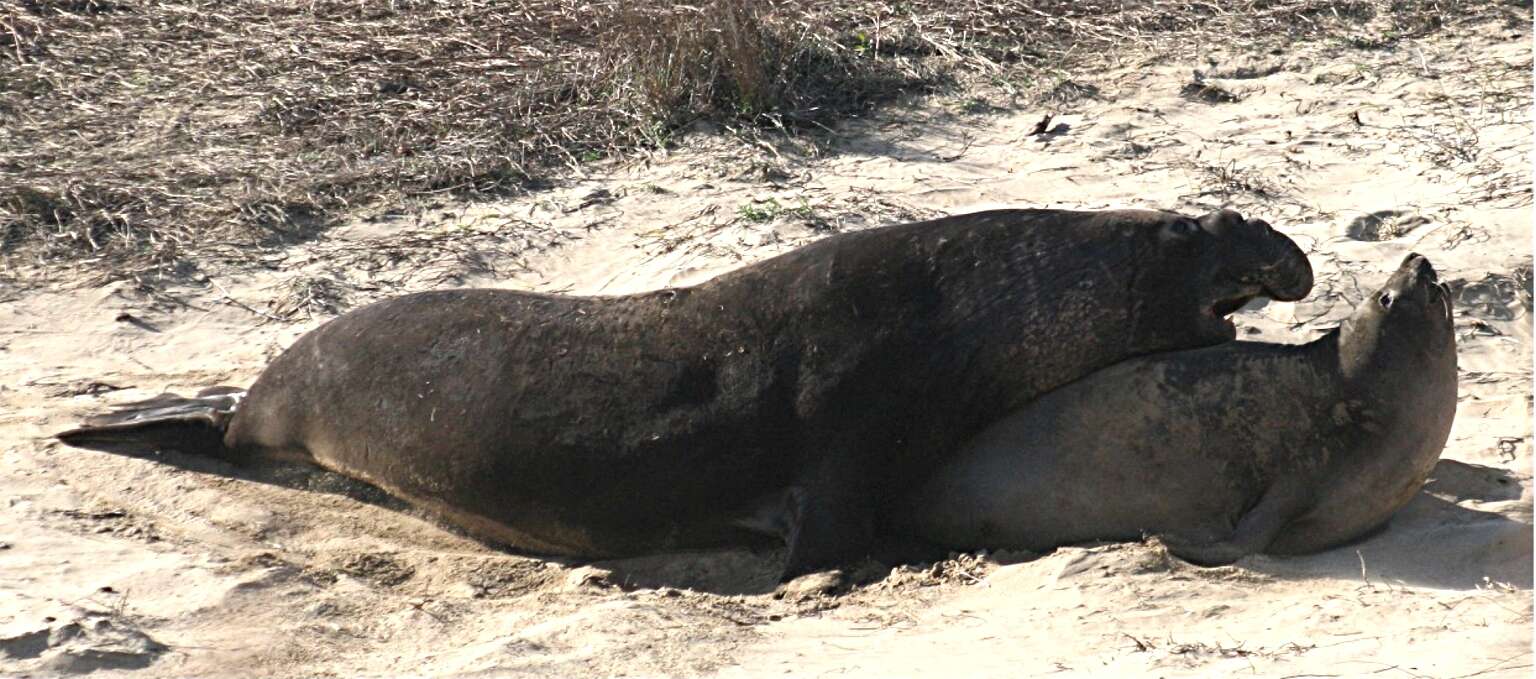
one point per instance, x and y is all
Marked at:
(1288, 277)
(1219, 222)
(1419, 267)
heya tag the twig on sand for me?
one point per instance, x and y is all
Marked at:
(230, 299)
(1363, 576)
(1500, 665)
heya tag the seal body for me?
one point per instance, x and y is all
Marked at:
(793, 398)
(1225, 451)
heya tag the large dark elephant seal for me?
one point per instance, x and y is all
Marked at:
(1226, 451)
(791, 398)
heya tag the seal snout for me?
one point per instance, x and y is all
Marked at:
(1419, 267)
(1258, 261)
(1280, 268)
(1289, 286)
(1289, 277)
(1416, 281)
(1416, 272)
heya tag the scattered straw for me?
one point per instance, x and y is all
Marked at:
(149, 131)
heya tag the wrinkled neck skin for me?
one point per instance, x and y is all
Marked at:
(1356, 352)
(1153, 329)
(946, 325)
(1052, 309)
(1391, 387)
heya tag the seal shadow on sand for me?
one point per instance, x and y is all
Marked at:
(1434, 541)
(727, 572)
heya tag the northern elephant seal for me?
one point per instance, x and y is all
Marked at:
(791, 398)
(1226, 451)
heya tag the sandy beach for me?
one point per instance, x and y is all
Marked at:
(178, 566)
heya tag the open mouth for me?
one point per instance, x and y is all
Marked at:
(1226, 307)
(1440, 295)
(1222, 309)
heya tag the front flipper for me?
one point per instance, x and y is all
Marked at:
(1219, 553)
(827, 527)
(1254, 532)
(820, 528)
(827, 515)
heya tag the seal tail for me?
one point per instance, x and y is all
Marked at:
(166, 422)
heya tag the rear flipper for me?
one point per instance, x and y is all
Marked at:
(1254, 532)
(166, 422)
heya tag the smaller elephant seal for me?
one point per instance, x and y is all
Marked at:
(1226, 451)
(789, 400)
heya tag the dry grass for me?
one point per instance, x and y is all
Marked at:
(143, 132)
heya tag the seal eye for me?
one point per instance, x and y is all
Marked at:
(1181, 228)
(1385, 300)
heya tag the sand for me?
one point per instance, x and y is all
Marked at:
(180, 566)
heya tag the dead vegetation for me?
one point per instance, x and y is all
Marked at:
(158, 132)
